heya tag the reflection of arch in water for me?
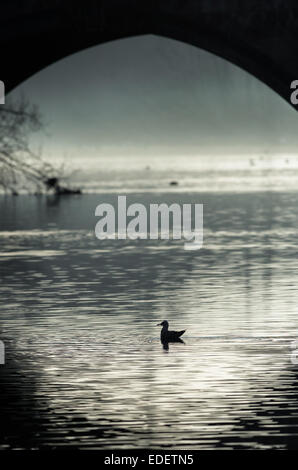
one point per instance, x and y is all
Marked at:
(272, 421)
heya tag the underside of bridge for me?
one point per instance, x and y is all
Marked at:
(261, 37)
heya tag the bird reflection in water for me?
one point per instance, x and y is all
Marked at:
(165, 344)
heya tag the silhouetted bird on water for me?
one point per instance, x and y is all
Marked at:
(167, 336)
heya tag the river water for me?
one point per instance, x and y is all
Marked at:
(84, 366)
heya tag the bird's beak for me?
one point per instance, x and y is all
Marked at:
(158, 324)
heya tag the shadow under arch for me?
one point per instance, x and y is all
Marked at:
(246, 36)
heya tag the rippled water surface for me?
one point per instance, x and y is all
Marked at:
(84, 364)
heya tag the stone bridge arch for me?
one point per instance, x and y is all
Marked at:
(260, 37)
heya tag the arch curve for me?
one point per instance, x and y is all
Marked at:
(260, 37)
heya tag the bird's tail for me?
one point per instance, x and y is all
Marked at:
(180, 333)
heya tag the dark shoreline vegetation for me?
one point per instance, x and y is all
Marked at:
(59, 190)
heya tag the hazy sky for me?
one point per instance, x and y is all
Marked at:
(148, 92)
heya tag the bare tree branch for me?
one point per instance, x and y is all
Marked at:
(20, 166)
